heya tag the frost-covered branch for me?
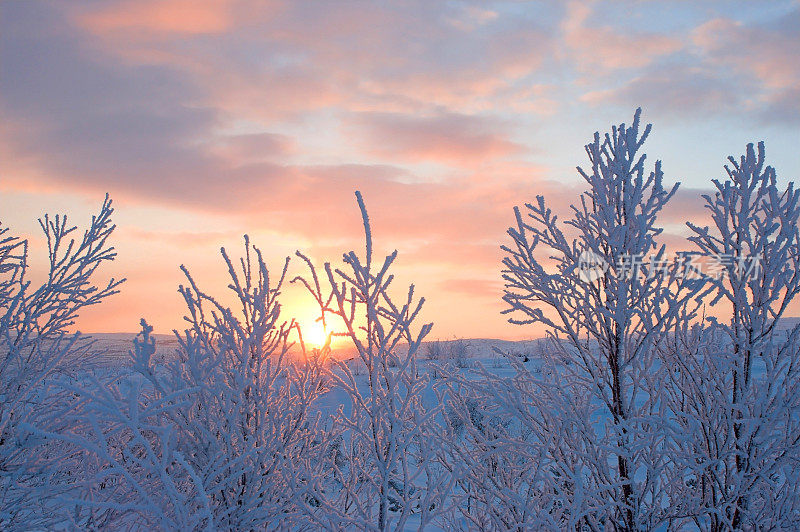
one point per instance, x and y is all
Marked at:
(37, 353)
(738, 382)
(223, 436)
(386, 474)
(607, 297)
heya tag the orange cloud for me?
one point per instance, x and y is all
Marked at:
(480, 288)
(161, 17)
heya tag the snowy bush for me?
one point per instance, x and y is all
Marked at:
(646, 414)
(459, 353)
(455, 352)
(501, 468)
(223, 436)
(389, 476)
(357, 367)
(434, 350)
(37, 353)
(637, 412)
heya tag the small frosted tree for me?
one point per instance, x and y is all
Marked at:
(36, 351)
(611, 296)
(738, 382)
(386, 472)
(502, 469)
(222, 437)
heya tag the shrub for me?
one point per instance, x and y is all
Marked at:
(223, 436)
(37, 353)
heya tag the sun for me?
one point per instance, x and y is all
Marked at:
(314, 333)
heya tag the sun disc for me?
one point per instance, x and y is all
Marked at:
(314, 334)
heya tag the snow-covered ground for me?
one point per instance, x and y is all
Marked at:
(116, 346)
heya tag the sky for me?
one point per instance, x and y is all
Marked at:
(209, 120)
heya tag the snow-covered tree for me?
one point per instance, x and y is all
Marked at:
(385, 474)
(607, 297)
(37, 351)
(502, 469)
(222, 436)
(737, 389)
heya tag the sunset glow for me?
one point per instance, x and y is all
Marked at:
(206, 121)
(314, 334)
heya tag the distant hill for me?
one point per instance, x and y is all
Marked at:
(117, 345)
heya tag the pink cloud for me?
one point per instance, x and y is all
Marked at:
(252, 147)
(358, 55)
(763, 57)
(768, 52)
(181, 239)
(669, 90)
(611, 48)
(453, 138)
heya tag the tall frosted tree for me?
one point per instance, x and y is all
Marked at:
(606, 295)
(737, 382)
